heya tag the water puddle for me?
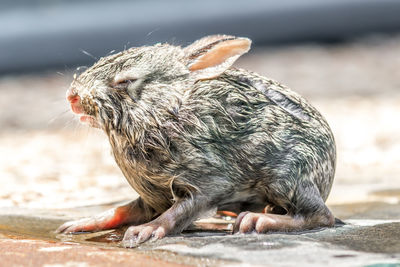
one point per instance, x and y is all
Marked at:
(34, 224)
(25, 226)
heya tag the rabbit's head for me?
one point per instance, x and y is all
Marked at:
(119, 83)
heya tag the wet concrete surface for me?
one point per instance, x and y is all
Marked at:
(380, 238)
(28, 252)
(360, 242)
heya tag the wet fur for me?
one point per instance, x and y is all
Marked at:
(240, 141)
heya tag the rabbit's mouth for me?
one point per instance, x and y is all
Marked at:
(77, 108)
(87, 119)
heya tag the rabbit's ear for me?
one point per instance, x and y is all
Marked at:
(205, 41)
(210, 56)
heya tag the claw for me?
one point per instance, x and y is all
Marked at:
(239, 221)
(110, 219)
(83, 225)
(261, 223)
(136, 235)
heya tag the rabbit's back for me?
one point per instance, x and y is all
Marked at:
(250, 133)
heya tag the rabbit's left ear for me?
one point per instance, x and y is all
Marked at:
(210, 56)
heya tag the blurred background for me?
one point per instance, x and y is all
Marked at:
(342, 55)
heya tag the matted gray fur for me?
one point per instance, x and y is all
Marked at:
(191, 133)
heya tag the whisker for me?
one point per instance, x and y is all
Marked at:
(60, 100)
(57, 116)
(81, 69)
(68, 124)
(76, 126)
(66, 68)
(88, 54)
(126, 45)
(150, 33)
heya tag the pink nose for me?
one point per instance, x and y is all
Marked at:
(72, 96)
(74, 100)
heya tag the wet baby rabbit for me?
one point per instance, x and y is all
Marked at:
(192, 134)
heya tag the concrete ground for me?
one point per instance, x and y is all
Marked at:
(53, 169)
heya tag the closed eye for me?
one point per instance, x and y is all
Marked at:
(124, 83)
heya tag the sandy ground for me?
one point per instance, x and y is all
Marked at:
(49, 160)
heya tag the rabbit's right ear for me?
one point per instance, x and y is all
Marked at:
(210, 56)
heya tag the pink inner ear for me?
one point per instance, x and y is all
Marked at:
(220, 53)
